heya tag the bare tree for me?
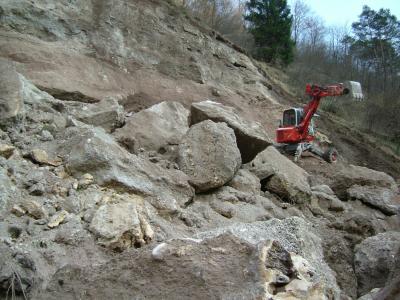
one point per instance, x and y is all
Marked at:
(300, 12)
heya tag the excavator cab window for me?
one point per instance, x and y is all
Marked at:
(289, 117)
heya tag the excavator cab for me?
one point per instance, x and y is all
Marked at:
(292, 117)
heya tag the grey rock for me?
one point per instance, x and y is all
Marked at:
(245, 181)
(118, 226)
(107, 113)
(46, 136)
(11, 98)
(294, 234)
(374, 260)
(329, 201)
(250, 136)
(209, 155)
(253, 272)
(356, 175)
(92, 150)
(282, 176)
(155, 128)
(377, 197)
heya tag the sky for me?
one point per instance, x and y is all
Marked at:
(345, 12)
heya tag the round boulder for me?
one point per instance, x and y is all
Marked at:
(209, 155)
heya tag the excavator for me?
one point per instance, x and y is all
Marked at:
(296, 132)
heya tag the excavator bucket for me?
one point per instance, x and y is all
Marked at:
(354, 89)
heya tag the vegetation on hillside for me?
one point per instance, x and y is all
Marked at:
(368, 52)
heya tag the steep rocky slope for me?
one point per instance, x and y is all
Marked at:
(114, 184)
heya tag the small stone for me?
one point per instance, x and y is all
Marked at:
(6, 150)
(46, 136)
(34, 209)
(18, 211)
(40, 222)
(57, 219)
(86, 180)
(37, 189)
(41, 157)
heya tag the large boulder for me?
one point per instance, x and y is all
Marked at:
(220, 267)
(296, 236)
(209, 155)
(250, 136)
(356, 175)
(107, 113)
(374, 260)
(92, 150)
(155, 128)
(280, 175)
(377, 197)
(11, 97)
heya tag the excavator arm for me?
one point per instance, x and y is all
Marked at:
(317, 93)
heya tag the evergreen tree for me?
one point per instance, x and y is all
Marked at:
(270, 24)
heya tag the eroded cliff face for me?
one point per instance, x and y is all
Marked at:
(106, 195)
(140, 52)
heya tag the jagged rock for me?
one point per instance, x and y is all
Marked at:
(14, 263)
(250, 136)
(377, 197)
(46, 136)
(391, 290)
(327, 198)
(209, 155)
(85, 180)
(338, 253)
(374, 260)
(245, 181)
(119, 226)
(41, 157)
(280, 175)
(18, 210)
(155, 128)
(296, 237)
(57, 219)
(372, 295)
(107, 113)
(93, 150)
(356, 175)
(6, 150)
(34, 209)
(11, 99)
(224, 266)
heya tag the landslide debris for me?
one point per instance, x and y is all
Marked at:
(104, 193)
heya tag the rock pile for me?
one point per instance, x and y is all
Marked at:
(106, 191)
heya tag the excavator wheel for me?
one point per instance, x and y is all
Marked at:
(330, 155)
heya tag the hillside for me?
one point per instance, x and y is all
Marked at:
(136, 162)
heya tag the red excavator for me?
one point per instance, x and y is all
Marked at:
(296, 131)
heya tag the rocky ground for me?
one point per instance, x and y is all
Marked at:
(136, 162)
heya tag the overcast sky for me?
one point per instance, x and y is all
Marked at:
(345, 12)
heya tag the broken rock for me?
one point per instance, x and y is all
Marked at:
(280, 175)
(119, 226)
(6, 150)
(92, 150)
(356, 175)
(374, 260)
(11, 99)
(250, 136)
(107, 113)
(155, 128)
(209, 155)
(377, 197)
